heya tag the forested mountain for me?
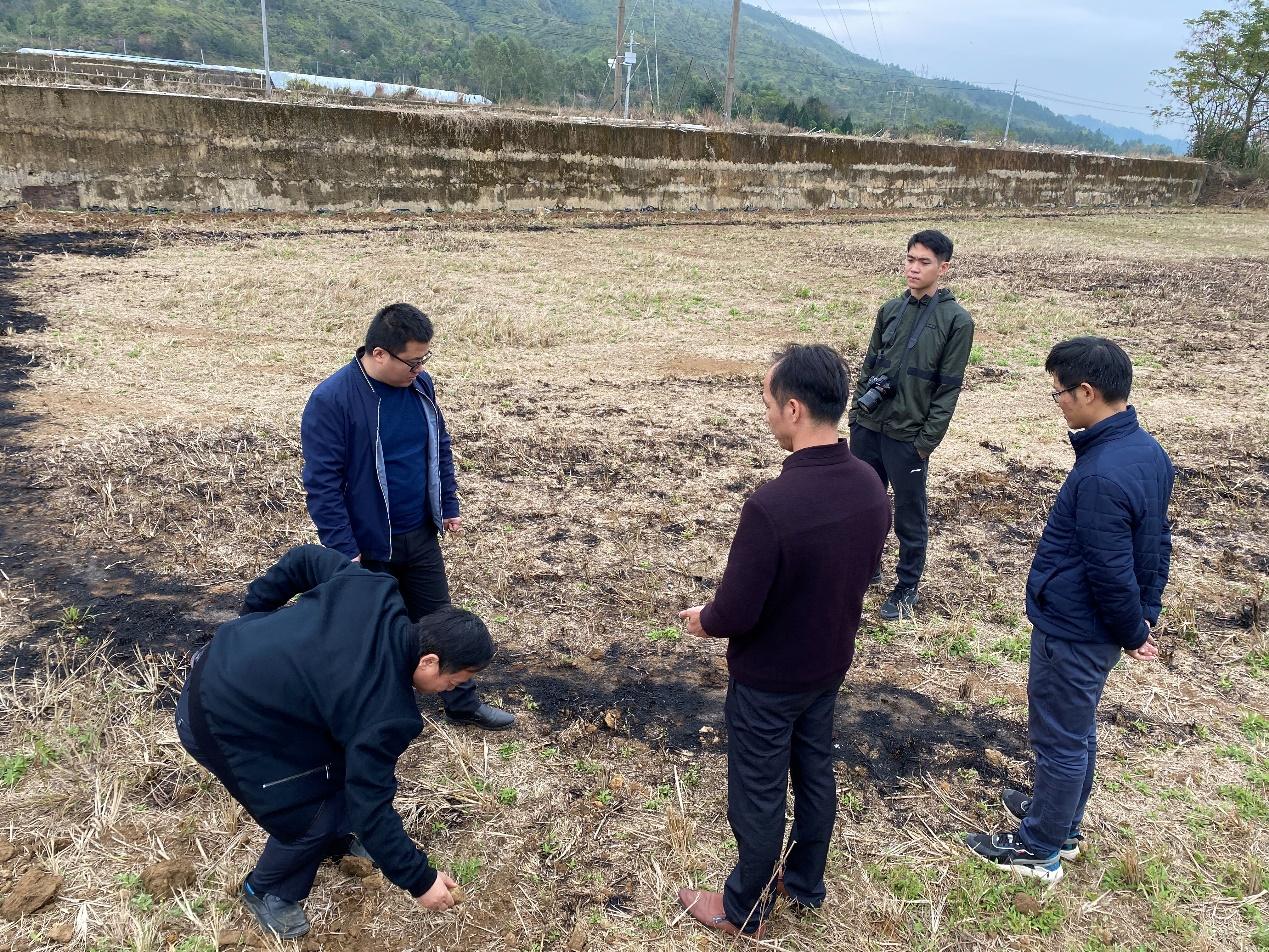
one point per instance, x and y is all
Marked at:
(1129, 136)
(553, 51)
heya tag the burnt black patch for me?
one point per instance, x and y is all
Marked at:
(127, 607)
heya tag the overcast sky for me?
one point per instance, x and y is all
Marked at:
(1080, 51)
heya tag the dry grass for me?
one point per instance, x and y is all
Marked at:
(601, 384)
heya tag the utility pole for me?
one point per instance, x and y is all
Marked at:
(656, 63)
(619, 57)
(264, 30)
(630, 65)
(1009, 119)
(730, 91)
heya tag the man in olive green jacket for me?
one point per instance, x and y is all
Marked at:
(907, 389)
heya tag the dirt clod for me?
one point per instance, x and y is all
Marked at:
(237, 939)
(9, 851)
(995, 758)
(357, 866)
(61, 933)
(971, 687)
(1027, 905)
(33, 891)
(577, 938)
(458, 894)
(168, 877)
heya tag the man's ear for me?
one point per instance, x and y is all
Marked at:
(429, 664)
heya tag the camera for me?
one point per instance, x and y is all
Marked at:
(879, 388)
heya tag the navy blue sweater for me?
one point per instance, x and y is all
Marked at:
(804, 552)
(303, 699)
(1102, 562)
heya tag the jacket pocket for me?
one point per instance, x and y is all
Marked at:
(1037, 593)
(324, 770)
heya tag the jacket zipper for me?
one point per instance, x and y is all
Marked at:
(303, 773)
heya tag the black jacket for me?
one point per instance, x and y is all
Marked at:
(299, 700)
(927, 378)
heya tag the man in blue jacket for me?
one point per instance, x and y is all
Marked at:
(379, 474)
(1094, 591)
(302, 710)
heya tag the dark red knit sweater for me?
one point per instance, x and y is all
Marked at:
(807, 544)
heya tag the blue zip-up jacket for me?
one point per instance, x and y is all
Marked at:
(1102, 562)
(344, 474)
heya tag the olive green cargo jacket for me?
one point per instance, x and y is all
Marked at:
(927, 378)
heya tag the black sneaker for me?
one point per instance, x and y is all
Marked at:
(1017, 805)
(1005, 851)
(901, 603)
(284, 919)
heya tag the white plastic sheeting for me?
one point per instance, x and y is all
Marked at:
(281, 79)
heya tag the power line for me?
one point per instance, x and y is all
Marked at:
(841, 13)
(875, 34)
(1095, 102)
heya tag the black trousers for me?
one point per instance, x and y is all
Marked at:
(771, 739)
(903, 470)
(419, 569)
(285, 870)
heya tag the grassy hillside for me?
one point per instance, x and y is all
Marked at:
(550, 51)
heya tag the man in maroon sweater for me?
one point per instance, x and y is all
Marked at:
(789, 605)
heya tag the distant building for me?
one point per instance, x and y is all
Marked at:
(280, 78)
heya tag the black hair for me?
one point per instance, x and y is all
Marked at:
(457, 637)
(397, 325)
(936, 241)
(814, 374)
(1099, 362)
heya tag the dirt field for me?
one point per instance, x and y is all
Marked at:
(600, 375)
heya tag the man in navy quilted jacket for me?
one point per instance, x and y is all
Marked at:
(1094, 591)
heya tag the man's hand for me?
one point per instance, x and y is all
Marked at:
(693, 618)
(923, 455)
(438, 899)
(454, 525)
(1147, 652)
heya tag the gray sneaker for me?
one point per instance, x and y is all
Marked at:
(1017, 805)
(284, 919)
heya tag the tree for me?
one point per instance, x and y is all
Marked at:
(1220, 83)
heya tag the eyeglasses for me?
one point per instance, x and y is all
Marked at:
(415, 364)
(1056, 394)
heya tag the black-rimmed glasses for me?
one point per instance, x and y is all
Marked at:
(1056, 394)
(416, 364)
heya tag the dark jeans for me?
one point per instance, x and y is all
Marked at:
(772, 738)
(903, 470)
(419, 569)
(285, 870)
(1064, 686)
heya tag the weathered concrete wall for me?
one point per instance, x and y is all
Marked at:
(124, 150)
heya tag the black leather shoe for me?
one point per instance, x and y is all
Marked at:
(284, 919)
(486, 716)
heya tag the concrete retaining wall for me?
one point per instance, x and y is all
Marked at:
(86, 148)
